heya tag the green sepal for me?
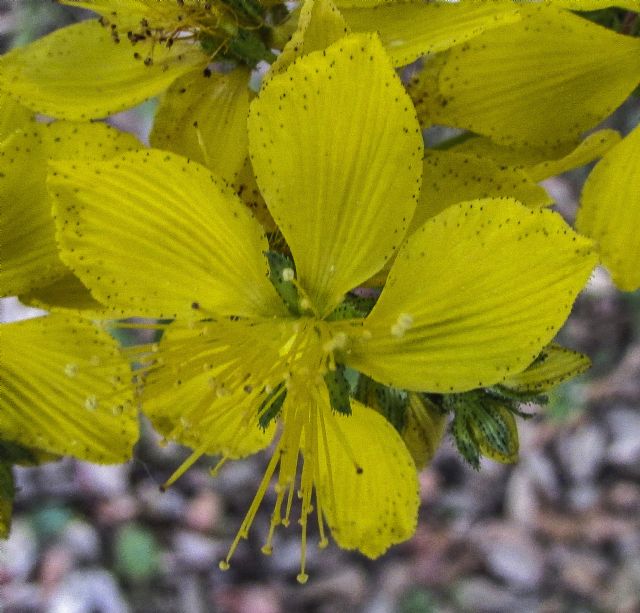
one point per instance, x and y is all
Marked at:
(7, 494)
(271, 406)
(515, 397)
(352, 307)
(390, 402)
(424, 428)
(339, 390)
(484, 425)
(463, 436)
(286, 289)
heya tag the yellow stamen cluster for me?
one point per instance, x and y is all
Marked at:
(246, 367)
(168, 21)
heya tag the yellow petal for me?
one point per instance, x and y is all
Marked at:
(30, 253)
(450, 177)
(155, 233)
(520, 85)
(591, 148)
(206, 120)
(610, 211)
(594, 5)
(246, 187)
(409, 30)
(473, 295)
(188, 403)
(13, 116)
(542, 163)
(79, 73)
(66, 390)
(66, 293)
(319, 25)
(553, 366)
(133, 10)
(368, 484)
(337, 152)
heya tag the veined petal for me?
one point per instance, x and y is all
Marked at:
(319, 25)
(340, 179)
(553, 366)
(368, 482)
(204, 384)
(80, 73)
(519, 85)
(474, 294)
(409, 30)
(85, 141)
(542, 163)
(610, 211)
(246, 187)
(66, 390)
(450, 177)
(206, 120)
(153, 232)
(30, 253)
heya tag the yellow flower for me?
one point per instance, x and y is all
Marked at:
(259, 345)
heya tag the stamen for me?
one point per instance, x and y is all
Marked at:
(255, 504)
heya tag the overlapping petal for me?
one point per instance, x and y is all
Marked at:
(450, 177)
(153, 232)
(70, 393)
(409, 30)
(330, 156)
(13, 115)
(553, 366)
(189, 400)
(610, 210)
(474, 295)
(373, 503)
(80, 73)
(319, 24)
(30, 253)
(542, 163)
(206, 120)
(539, 82)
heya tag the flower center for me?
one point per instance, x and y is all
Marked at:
(257, 374)
(236, 30)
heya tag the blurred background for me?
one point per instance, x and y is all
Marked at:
(557, 532)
